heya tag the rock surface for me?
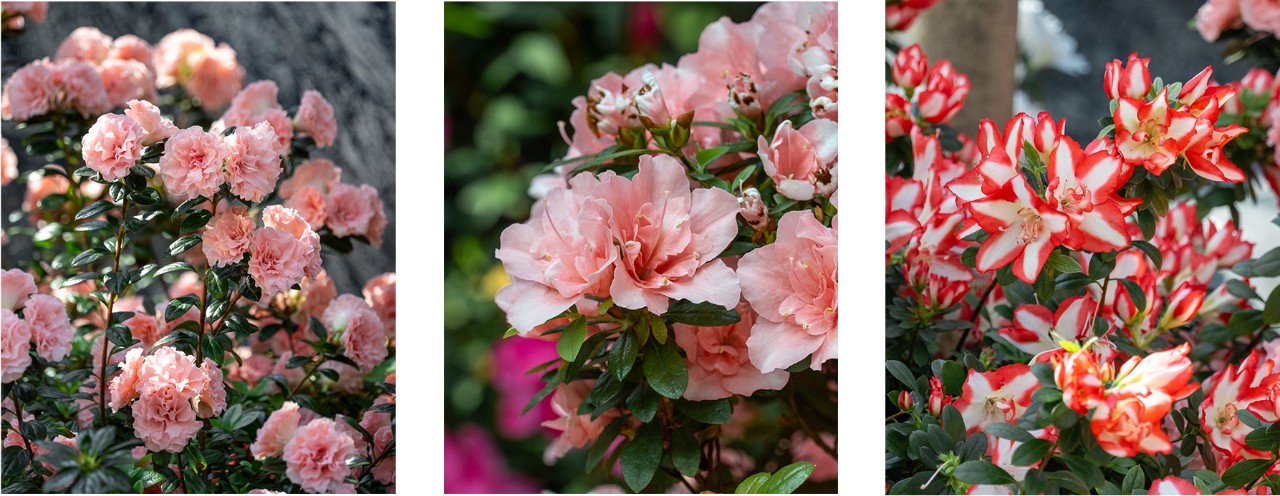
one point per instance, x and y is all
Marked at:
(346, 51)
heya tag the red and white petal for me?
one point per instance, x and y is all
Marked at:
(900, 227)
(1126, 115)
(1102, 174)
(1032, 259)
(1103, 229)
(1173, 485)
(1035, 318)
(999, 249)
(1073, 315)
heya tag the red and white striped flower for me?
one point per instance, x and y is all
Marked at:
(1151, 134)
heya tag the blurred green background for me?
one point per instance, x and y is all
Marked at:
(511, 71)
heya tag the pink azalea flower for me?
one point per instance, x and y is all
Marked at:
(349, 210)
(15, 346)
(670, 237)
(288, 221)
(50, 326)
(363, 340)
(130, 47)
(85, 44)
(718, 363)
(251, 104)
(278, 260)
(253, 164)
(8, 163)
(80, 87)
(163, 418)
(28, 91)
(317, 292)
(564, 252)
(315, 118)
(228, 236)
(800, 161)
(310, 204)
(576, 430)
(124, 386)
(113, 145)
(155, 126)
(318, 173)
(16, 286)
(212, 400)
(192, 164)
(316, 457)
(792, 286)
(277, 431)
(125, 80)
(380, 293)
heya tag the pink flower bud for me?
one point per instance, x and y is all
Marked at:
(909, 67)
(753, 209)
(744, 96)
(650, 104)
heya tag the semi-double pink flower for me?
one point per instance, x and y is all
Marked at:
(669, 236)
(792, 285)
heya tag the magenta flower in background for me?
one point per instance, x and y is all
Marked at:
(473, 465)
(515, 356)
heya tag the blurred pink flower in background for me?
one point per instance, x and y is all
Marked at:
(473, 464)
(513, 357)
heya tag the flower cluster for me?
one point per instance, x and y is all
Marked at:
(172, 393)
(170, 290)
(1078, 303)
(691, 231)
(28, 317)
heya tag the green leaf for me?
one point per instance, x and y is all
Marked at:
(643, 403)
(787, 479)
(1150, 251)
(1031, 452)
(622, 355)
(571, 339)
(685, 452)
(1271, 312)
(173, 267)
(1248, 418)
(1133, 479)
(87, 257)
(640, 457)
(1136, 294)
(93, 209)
(1244, 472)
(603, 442)
(1241, 289)
(982, 472)
(79, 278)
(1063, 263)
(709, 412)
(93, 225)
(701, 314)
(658, 329)
(196, 220)
(119, 335)
(953, 423)
(181, 245)
(900, 372)
(752, 485)
(665, 370)
(953, 377)
(1009, 431)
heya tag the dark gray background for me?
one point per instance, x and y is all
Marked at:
(346, 51)
(1109, 29)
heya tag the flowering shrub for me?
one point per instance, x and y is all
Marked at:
(682, 259)
(173, 328)
(1063, 317)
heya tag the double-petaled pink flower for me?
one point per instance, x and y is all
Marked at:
(113, 145)
(792, 286)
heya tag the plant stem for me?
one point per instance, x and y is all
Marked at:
(977, 312)
(111, 304)
(311, 371)
(17, 407)
(204, 305)
(681, 478)
(808, 430)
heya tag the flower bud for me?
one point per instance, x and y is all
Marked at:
(1183, 304)
(744, 96)
(897, 117)
(753, 209)
(937, 398)
(650, 105)
(1132, 79)
(909, 67)
(904, 400)
(608, 112)
(1195, 87)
